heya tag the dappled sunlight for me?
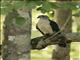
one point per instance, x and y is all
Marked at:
(2, 17)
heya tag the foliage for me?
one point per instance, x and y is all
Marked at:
(77, 13)
(41, 5)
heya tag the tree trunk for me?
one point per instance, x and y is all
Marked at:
(61, 53)
(17, 35)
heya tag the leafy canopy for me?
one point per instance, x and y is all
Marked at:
(41, 5)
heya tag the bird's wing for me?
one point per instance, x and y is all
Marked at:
(39, 29)
(54, 26)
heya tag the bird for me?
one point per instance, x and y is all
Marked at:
(48, 27)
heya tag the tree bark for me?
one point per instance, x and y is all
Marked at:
(61, 53)
(43, 41)
(17, 35)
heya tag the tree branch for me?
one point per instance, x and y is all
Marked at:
(74, 37)
(43, 41)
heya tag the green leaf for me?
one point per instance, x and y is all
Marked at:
(77, 14)
(68, 5)
(31, 5)
(39, 8)
(19, 4)
(47, 6)
(6, 9)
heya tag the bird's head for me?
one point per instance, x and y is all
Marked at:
(44, 17)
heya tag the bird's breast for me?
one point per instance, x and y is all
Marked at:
(45, 27)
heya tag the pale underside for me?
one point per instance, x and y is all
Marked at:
(45, 27)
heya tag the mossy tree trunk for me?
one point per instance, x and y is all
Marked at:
(61, 53)
(17, 35)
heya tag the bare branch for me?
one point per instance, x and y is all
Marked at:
(44, 41)
(74, 37)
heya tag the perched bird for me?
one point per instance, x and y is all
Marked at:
(48, 27)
